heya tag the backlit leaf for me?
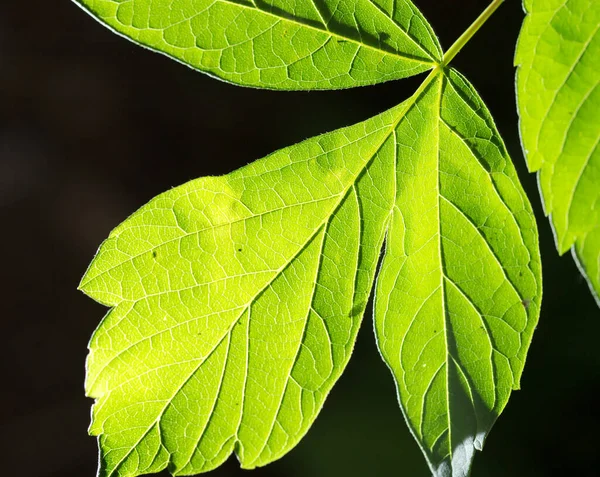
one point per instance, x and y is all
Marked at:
(281, 44)
(236, 304)
(459, 290)
(558, 89)
(236, 299)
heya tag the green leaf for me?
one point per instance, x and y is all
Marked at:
(459, 290)
(281, 44)
(236, 299)
(559, 100)
(236, 304)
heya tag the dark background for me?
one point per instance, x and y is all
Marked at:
(92, 127)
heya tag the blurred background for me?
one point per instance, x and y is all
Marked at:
(92, 127)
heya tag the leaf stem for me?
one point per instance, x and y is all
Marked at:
(469, 32)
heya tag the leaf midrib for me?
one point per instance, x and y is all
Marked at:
(294, 20)
(442, 286)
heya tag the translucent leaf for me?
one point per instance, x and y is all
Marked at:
(459, 289)
(236, 299)
(281, 44)
(236, 304)
(559, 103)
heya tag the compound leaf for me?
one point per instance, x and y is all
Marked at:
(236, 299)
(559, 102)
(281, 44)
(458, 294)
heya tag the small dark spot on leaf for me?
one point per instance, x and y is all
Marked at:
(526, 302)
(383, 37)
(357, 309)
(154, 253)
(239, 249)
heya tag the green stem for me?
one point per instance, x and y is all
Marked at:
(469, 32)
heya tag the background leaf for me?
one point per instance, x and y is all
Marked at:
(459, 290)
(236, 304)
(559, 99)
(281, 44)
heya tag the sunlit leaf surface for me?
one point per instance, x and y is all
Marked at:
(459, 289)
(236, 299)
(281, 44)
(558, 90)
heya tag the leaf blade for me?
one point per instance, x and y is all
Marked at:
(242, 359)
(558, 98)
(279, 44)
(460, 262)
